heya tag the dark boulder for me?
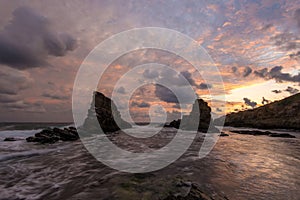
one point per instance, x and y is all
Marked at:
(10, 139)
(53, 135)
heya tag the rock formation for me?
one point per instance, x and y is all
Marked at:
(190, 121)
(101, 110)
(107, 115)
(53, 135)
(283, 114)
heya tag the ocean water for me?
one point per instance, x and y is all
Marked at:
(239, 167)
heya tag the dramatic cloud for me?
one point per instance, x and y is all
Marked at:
(275, 73)
(28, 39)
(291, 90)
(57, 92)
(140, 104)
(188, 76)
(249, 102)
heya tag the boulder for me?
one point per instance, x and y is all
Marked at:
(49, 136)
(10, 139)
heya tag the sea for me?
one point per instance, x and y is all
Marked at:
(240, 167)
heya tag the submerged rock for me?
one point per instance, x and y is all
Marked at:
(268, 133)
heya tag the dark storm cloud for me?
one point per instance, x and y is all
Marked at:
(28, 39)
(204, 86)
(249, 102)
(297, 16)
(291, 90)
(140, 104)
(275, 73)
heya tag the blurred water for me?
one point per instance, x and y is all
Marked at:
(240, 167)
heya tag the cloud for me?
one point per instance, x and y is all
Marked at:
(121, 90)
(295, 56)
(168, 95)
(28, 40)
(165, 94)
(204, 86)
(140, 104)
(150, 74)
(275, 73)
(249, 102)
(297, 16)
(55, 96)
(13, 81)
(247, 71)
(276, 91)
(188, 76)
(291, 90)
(25, 106)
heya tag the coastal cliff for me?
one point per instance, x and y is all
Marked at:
(283, 114)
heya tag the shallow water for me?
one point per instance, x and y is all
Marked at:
(239, 167)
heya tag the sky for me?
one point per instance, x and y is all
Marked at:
(254, 44)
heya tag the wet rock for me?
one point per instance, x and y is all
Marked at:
(49, 136)
(200, 117)
(223, 134)
(104, 112)
(10, 139)
(251, 132)
(268, 133)
(283, 135)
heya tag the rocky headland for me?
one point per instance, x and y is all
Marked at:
(283, 114)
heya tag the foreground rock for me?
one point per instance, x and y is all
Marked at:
(200, 114)
(53, 135)
(10, 139)
(268, 133)
(104, 109)
(283, 114)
